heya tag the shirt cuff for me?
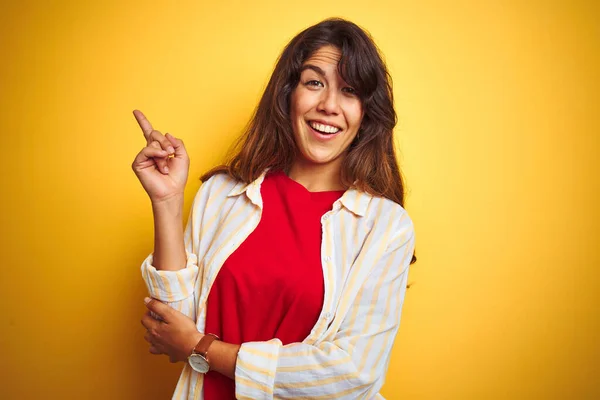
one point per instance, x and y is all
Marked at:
(170, 286)
(255, 369)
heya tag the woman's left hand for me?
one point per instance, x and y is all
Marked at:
(174, 334)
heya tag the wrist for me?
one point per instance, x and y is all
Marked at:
(171, 205)
(170, 199)
(200, 360)
(194, 340)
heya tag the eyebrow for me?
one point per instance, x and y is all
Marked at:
(314, 68)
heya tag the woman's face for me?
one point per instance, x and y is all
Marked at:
(325, 111)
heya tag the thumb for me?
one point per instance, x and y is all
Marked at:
(158, 308)
(177, 145)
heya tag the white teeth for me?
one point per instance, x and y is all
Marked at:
(324, 128)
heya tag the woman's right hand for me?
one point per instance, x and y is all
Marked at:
(162, 166)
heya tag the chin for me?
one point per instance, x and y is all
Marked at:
(319, 158)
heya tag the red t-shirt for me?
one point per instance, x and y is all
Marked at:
(272, 285)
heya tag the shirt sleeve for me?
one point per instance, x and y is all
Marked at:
(176, 288)
(171, 286)
(353, 363)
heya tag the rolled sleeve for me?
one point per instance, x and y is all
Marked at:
(171, 286)
(255, 369)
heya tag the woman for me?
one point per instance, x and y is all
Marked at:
(290, 276)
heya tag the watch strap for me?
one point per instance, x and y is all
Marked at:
(204, 343)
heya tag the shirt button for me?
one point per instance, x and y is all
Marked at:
(327, 258)
(327, 315)
(325, 217)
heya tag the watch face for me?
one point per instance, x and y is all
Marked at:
(198, 363)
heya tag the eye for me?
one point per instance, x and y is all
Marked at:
(314, 83)
(350, 90)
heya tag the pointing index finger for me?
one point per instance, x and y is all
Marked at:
(143, 122)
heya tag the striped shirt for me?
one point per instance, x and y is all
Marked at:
(367, 245)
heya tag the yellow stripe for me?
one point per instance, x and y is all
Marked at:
(307, 367)
(315, 382)
(388, 335)
(198, 385)
(344, 240)
(165, 281)
(259, 353)
(354, 316)
(359, 262)
(182, 284)
(383, 246)
(255, 385)
(325, 347)
(337, 395)
(254, 368)
(155, 286)
(376, 291)
(369, 394)
(356, 201)
(355, 229)
(328, 281)
(226, 242)
(183, 382)
(216, 213)
(345, 263)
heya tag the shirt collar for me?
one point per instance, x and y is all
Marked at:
(251, 189)
(354, 200)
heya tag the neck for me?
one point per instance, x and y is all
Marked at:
(317, 177)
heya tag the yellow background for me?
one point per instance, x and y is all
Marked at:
(498, 103)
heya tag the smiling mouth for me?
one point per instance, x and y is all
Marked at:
(323, 129)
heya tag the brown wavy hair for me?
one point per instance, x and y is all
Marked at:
(268, 140)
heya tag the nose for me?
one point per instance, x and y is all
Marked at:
(329, 102)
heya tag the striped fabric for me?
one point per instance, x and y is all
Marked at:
(366, 251)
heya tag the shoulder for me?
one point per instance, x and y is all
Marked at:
(218, 180)
(388, 216)
(217, 186)
(381, 208)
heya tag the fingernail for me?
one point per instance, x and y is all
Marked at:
(166, 169)
(147, 300)
(171, 149)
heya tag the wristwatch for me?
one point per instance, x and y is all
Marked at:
(199, 358)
